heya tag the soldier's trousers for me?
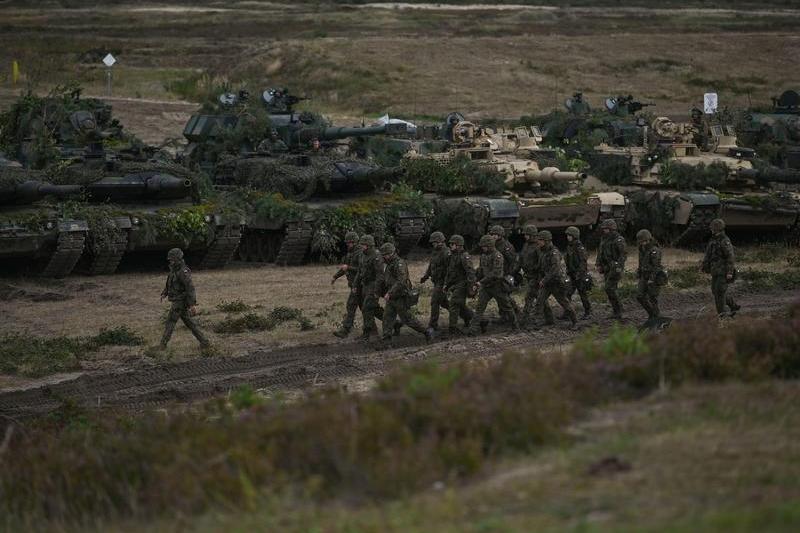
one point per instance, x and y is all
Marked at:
(355, 301)
(531, 292)
(611, 284)
(398, 307)
(369, 306)
(497, 293)
(438, 301)
(577, 284)
(457, 299)
(719, 287)
(180, 310)
(647, 296)
(559, 292)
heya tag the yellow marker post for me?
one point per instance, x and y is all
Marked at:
(15, 72)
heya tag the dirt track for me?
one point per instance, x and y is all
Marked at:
(350, 363)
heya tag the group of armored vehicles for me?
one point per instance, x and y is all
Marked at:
(260, 181)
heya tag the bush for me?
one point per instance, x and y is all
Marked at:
(256, 322)
(233, 306)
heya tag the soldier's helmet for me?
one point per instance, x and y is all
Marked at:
(545, 236)
(498, 230)
(644, 236)
(457, 240)
(717, 225)
(175, 254)
(573, 232)
(437, 236)
(367, 240)
(387, 249)
(609, 223)
(351, 236)
(487, 241)
(531, 230)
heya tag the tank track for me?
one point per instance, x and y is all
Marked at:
(106, 260)
(408, 232)
(66, 255)
(222, 248)
(697, 229)
(295, 244)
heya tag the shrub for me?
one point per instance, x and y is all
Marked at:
(233, 306)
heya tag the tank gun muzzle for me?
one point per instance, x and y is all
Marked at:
(147, 186)
(32, 191)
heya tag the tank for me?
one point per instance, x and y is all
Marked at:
(130, 200)
(35, 234)
(774, 132)
(301, 189)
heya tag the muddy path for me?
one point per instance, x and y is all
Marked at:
(347, 363)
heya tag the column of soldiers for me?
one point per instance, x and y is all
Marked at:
(381, 273)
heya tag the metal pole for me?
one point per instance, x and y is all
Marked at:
(108, 81)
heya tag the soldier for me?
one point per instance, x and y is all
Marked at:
(578, 269)
(553, 280)
(349, 269)
(529, 262)
(491, 286)
(179, 290)
(459, 283)
(370, 272)
(398, 294)
(437, 271)
(611, 263)
(510, 262)
(719, 261)
(651, 275)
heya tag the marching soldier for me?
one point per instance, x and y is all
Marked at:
(459, 282)
(575, 259)
(510, 262)
(553, 280)
(491, 285)
(350, 269)
(611, 263)
(719, 261)
(529, 262)
(370, 271)
(398, 294)
(437, 271)
(651, 275)
(179, 290)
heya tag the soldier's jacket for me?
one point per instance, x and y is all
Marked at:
(352, 259)
(370, 268)
(719, 258)
(529, 260)
(459, 270)
(612, 254)
(510, 259)
(490, 272)
(395, 277)
(551, 266)
(576, 260)
(179, 287)
(437, 267)
(650, 268)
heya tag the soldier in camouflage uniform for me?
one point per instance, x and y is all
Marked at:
(491, 285)
(575, 259)
(397, 295)
(459, 282)
(179, 290)
(719, 261)
(510, 264)
(651, 275)
(437, 271)
(529, 263)
(350, 269)
(370, 273)
(553, 280)
(611, 263)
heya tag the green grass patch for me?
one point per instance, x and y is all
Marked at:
(765, 280)
(29, 355)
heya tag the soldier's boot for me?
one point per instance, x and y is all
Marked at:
(169, 327)
(616, 310)
(646, 306)
(467, 316)
(734, 307)
(548, 315)
(656, 311)
(430, 334)
(367, 333)
(587, 307)
(342, 332)
(454, 330)
(396, 328)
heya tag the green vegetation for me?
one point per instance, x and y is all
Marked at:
(459, 176)
(233, 306)
(255, 322)
(694, 177)
(29, 355)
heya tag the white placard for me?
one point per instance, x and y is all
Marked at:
(710, 102)
(109, 60)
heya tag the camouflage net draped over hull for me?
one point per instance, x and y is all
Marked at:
(280, 175)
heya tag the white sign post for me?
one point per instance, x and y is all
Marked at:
(108, 61)
(710, 102)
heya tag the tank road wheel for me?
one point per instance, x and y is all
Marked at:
(67, 253)
(295, 244)
(222, 248)
(105, 259)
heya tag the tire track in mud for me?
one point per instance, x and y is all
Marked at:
(304, 366)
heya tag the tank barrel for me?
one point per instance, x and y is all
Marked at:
(553, 174)
(332, 134)
(139, 186)
(774, 174)
(31, 191)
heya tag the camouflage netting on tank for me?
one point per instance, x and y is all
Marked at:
(75, 173)
(611, 169)
(280, 175)
(694, 177)
(647, 209)
(460, 176)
